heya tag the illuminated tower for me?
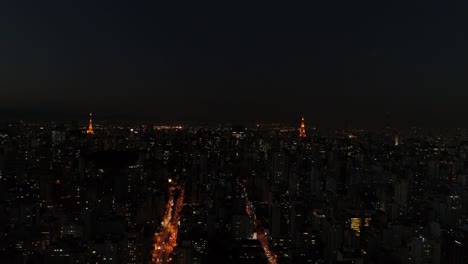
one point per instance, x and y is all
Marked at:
(90, 126)
(302, 131)
(396, 140)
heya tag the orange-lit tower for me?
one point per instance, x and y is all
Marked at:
(302, 130)
(90, 130)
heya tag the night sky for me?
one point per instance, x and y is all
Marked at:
(339, 63)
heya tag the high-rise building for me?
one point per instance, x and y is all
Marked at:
(401, 193)
(250, 251)
(185, 253)
(57, 137)
(275, 213)
(242, 227)
(315, 183)
(424, 250)
(279, 167)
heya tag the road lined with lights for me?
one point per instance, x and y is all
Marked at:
(250, 210)
(166, 238)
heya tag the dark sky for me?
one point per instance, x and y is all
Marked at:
(338, 62)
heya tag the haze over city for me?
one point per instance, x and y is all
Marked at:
(340, 62)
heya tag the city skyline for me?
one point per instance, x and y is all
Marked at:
(139, 193)
(234, 132)
(427, 119)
